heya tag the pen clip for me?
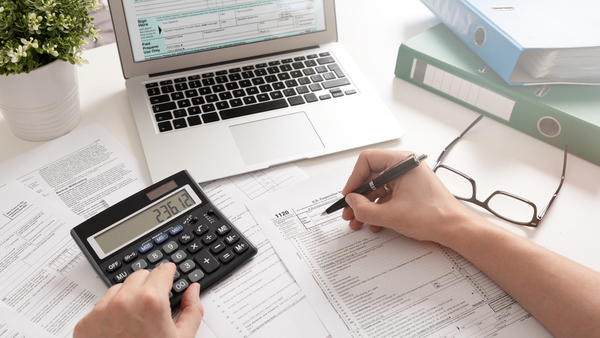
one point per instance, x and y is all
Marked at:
(413, 156)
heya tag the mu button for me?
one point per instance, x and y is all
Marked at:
(121, 276)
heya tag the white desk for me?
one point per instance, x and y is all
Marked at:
(496, 156)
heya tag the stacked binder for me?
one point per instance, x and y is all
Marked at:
(529, 42)
(443, 61)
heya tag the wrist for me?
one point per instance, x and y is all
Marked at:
(461, 228)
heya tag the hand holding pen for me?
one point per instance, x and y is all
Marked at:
(386, 176)
(418, 206)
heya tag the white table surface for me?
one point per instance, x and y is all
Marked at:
(496, 156)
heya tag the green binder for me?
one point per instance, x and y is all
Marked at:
(559, 114)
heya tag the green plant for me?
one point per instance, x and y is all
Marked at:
(36, 32)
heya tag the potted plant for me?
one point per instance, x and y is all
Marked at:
(41, 41)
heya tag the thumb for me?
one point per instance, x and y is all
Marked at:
(192, 312)
(364, 210)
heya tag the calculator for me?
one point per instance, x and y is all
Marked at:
(170, 221)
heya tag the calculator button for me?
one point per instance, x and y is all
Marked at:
(121, 276)
(207, 261)
(161, 238)
(217, 247)
(240, 247)
(187, 266)
(226, 257)
(223, 229)
(113, 266)
(177, 275)
(196, 275)
(178, 256)
(130, 257)
(170, 247)
(194, 247)
(232, 238)
(209, 238)
(161, 263)
(186, 238)
(176, 229)
(180, 285)
(200, 230)
(138, 265)
(155, 256)
(146, 247)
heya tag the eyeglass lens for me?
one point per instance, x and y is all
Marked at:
(503, 205)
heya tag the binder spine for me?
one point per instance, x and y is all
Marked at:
(489, 42)
(523, 112)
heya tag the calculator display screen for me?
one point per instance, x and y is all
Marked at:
(139, 224)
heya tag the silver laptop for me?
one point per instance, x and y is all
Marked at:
(222, 87)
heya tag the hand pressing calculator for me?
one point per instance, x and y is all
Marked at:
(171, 221)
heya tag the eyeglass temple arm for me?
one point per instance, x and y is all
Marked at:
(562, 179)
(439, 159)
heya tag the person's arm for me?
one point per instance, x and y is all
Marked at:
(562, 294)
(139, 307)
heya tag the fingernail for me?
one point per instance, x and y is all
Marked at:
(350, 201)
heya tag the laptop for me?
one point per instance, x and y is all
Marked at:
(223, 87)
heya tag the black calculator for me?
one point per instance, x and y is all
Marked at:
(170, 221)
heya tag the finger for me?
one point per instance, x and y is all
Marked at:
(347, 214)
(191, 312)
(374, 228)
(361, 173)
(354, 224)
(137, 278)
(379, 194)
(162, 277)
(366, 211)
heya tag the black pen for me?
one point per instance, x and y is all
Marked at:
(391, 173)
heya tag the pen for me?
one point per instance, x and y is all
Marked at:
(391, 173)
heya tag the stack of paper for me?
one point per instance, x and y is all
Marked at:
(562, 65)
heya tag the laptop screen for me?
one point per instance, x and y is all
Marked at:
(164, 28)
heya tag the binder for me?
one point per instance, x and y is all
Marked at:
(529, 42)
(559, 115)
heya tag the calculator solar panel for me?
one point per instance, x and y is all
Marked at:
(171, 221)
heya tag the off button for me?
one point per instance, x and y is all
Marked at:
(113, 266)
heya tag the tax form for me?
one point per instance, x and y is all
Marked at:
(364, 284)
(44, 278)
(86, 171)
(260, 299)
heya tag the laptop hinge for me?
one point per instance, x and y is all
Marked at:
(231, 61)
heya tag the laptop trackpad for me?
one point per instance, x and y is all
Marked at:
(275, 138)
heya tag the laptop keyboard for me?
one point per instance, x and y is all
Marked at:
(221, 95)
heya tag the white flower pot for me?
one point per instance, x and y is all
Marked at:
(43, 104)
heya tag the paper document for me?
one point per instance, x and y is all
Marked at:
(13, 326)
(86, 171)
(43, 276)
(372, 285)
(261, 299)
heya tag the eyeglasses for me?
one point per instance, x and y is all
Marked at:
(507, 206)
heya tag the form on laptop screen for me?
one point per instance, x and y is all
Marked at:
(165, 28)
